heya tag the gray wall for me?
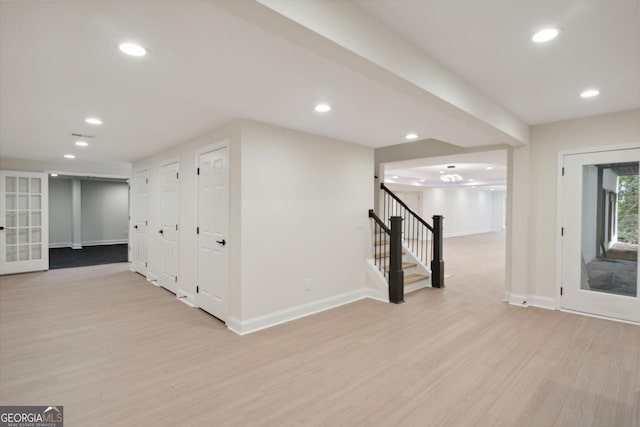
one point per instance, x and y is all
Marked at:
(105, 212)
(60, 223)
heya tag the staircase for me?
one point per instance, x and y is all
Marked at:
(415, 276)
(407, 250)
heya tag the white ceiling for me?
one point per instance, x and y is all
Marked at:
(471, 167)
(488, 44)
(59, 63)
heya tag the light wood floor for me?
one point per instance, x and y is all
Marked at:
(117, 351)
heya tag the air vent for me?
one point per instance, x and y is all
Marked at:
(79, 135)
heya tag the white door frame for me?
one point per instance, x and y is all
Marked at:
(559, 213)
(203, 150)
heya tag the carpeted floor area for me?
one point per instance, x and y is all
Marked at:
(88, 255)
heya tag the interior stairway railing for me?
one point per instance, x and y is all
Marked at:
(422, 239)
(389, 263)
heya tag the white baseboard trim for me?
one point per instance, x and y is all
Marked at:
(186, 298)
(76, 246)
(531, 301)
(152, 278)
(543, 302)
(105, 242)
(60, 245)
(243, 327)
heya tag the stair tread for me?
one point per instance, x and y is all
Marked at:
(411, 278)
(405, 265)
(386, 255)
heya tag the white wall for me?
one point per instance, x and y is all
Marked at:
(298, 210)
(466, 210)
(538, 233)
(305, 202)
(60, 230)
(105, 212)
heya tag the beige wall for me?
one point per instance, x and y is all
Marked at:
(298, 210)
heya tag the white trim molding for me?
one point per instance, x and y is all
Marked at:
(243, 327)
(531, 301)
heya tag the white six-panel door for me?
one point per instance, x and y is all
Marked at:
(24, 222)
(169, 204)
(212, 249)
(139, 218)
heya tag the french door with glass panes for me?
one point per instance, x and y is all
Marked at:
(600, 233)
(24, 222)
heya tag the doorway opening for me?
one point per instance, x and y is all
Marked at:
(88, 220)
(470, 191)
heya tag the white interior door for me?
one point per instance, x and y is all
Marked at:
(140, 210)
(24, 222)
(213, 258)
(596, 279)
(169, 203)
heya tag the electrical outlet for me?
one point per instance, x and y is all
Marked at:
(307, 285)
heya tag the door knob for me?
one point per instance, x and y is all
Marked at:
(161, 231)
(1, 227)
(135, 226)
(222, 242)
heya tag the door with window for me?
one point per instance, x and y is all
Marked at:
(599, 263)
(24, 222)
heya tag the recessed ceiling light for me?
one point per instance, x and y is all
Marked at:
(395, 177)
(545, 35)
(441, 171)
(323, 108)
(423, 180)
(411, 135)
(69, 156)
(82, 143)
(54, 174)
(590, 93)
(132, 49)
(489, 168)
(93, 121)
(469, 180)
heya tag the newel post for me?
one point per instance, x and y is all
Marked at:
(396, 274)
(437, 263)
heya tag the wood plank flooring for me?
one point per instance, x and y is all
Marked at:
(117, 351)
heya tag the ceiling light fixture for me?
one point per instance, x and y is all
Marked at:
(411, 135)
(54, 174)
(395, 177)
(489, 168)
(93, 121)
(545, 35)
(82, 143)
(450, 178)
(322, 108)
(441, 171)
(132, 49)
(589, 93)
(69, 156)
